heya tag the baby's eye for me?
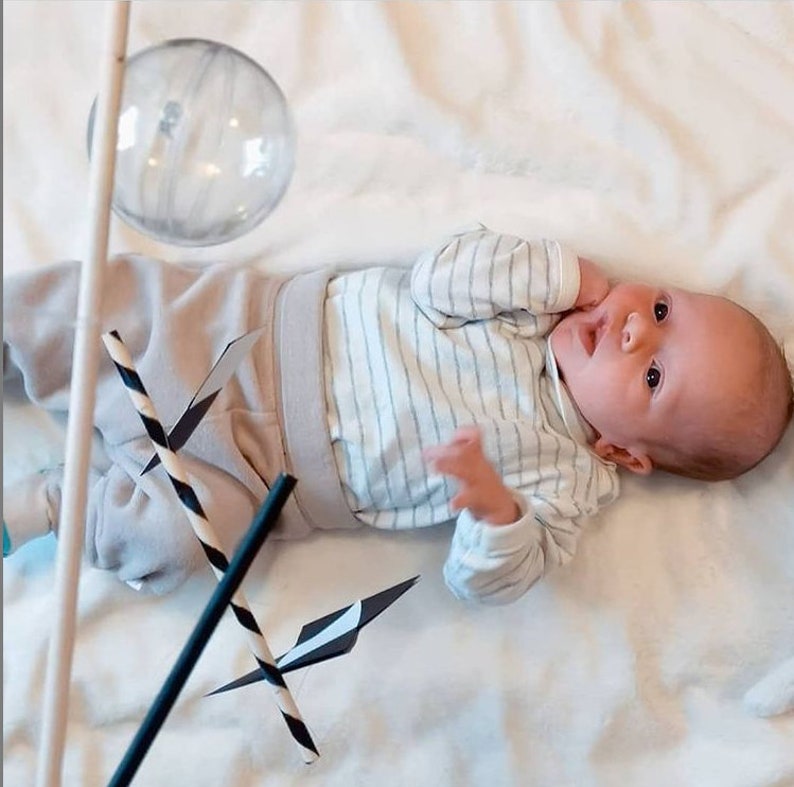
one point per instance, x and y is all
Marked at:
(660, 310)
(653, 377)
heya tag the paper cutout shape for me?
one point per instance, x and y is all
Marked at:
(330, 636)
(219, 375)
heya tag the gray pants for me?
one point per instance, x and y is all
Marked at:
(176, 321)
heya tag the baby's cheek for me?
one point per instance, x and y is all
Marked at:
(598, 393)
(561, 341)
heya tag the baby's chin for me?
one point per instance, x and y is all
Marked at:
(564, 345)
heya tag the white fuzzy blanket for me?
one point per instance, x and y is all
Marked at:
(656, 138)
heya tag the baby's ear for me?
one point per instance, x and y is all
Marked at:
(633, 459)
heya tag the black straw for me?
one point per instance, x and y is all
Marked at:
(261, 525)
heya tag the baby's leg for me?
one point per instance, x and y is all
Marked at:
(774, 693)
(29, 508)
(37, 358)
(175, 321)
(135, 525)
(39, 312)
(39, 309)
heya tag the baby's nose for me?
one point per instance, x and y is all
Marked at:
(634, 333)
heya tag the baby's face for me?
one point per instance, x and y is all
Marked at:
(647, 364)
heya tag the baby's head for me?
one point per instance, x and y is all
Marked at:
(689, 383)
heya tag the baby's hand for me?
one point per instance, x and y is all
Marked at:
(594, 285)
(480, 488)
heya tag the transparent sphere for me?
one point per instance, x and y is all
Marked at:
(205, 143)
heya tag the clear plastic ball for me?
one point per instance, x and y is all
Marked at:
(205, 144)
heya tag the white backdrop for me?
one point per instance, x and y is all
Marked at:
(655, 138)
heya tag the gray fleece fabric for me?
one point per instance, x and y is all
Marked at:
(176, 321)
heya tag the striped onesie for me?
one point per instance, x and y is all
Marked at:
(459, 339)
(355, 374)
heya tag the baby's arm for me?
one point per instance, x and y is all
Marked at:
(500, 548)
(593, 286)
(483, 275)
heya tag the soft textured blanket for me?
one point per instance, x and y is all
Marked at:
(656, 138)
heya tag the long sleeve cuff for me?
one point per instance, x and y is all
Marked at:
(487, 539)
(569, 278)
(494, 564)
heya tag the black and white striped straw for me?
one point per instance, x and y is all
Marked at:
(209, 542)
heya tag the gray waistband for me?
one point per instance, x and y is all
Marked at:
(299, 342)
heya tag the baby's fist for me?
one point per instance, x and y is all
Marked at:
(593, 287)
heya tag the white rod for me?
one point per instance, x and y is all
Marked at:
(83, 393)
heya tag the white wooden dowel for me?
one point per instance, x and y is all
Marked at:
(82, 397)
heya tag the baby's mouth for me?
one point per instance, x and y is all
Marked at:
(590, 335)
(600, 330)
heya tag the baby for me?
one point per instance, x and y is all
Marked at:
(498, 383)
